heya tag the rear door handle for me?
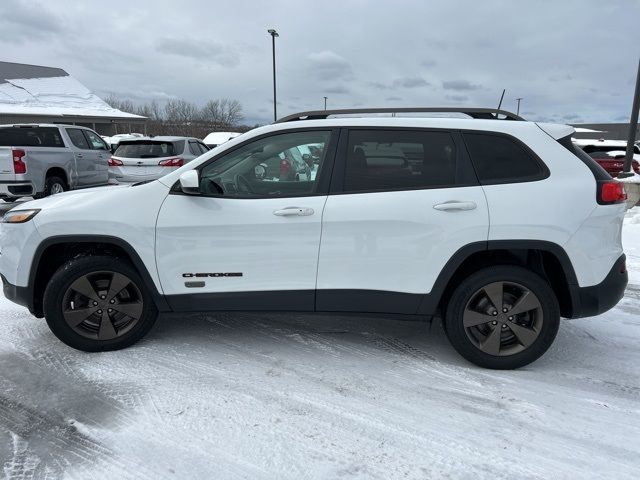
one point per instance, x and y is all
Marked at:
(454, 206)
(291, 211)
(79, 155)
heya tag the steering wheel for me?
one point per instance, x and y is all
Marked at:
(242, 184)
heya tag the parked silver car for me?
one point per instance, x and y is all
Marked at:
(37, 160)
(150, 158)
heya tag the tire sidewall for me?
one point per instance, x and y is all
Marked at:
(50, 182)
(455, 329)
(62, 280)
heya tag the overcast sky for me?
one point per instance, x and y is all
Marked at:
(571, 61)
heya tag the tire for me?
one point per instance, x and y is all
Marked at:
(503, 341)
(131, 307)
(52, 185)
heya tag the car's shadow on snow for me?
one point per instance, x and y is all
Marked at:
(342, 336)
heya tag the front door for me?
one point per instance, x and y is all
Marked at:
(250, 239)
(102, 154)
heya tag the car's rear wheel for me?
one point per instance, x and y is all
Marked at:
(502, 317)
(98, 303)
(52, 185)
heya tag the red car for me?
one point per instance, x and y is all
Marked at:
(613, 162)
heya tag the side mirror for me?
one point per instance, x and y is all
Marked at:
(189, 182)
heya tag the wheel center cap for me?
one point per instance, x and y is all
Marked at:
(502, 317)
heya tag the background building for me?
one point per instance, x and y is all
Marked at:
(608, 131)
(36, 94)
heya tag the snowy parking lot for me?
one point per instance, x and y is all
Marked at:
(298, 396)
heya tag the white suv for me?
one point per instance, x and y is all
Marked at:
(499, 225)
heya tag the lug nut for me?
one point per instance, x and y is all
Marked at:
(504, 310)
(494, 323)
(110, 310)
(112, 301)
(95, 304)
(504, 325)
(100, 312)
(511, 318)
(495, 313)
(104, 296)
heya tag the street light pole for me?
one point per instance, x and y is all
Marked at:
(633, 126)
(274, 34)
(325, 102)
(518, 111)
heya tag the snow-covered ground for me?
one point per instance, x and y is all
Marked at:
(294, 397)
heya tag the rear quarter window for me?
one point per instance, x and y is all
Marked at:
(31, 137)
(500, 158)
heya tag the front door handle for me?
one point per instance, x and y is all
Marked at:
(454, 206)
(291, 211)
(79, 155)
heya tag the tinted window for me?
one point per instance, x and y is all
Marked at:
(194, 148)
(78, 138)
(30, 137)
(147, 149)
(203, 147)
(95, 141)
(499, 158)
(397, 159)
(266, 168)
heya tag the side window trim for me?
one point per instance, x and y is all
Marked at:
(322, 188)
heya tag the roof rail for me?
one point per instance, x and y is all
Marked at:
(480, 113)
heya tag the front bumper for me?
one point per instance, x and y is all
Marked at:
(16, 189)
(21, 295)
(597, 299)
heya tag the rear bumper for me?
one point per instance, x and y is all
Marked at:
(16, 189)
(597, 299)
(129, 174)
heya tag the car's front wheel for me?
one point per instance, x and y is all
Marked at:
(502, 317)
(97, 303)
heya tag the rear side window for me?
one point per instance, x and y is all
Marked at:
(194, 148)
(149, 149)
(502, 159)
(78, 138)
(30, 137)
(598, 172)
(403, 159)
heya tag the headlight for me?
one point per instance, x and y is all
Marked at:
(19, 216)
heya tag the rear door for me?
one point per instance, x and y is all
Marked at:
(402, 202)
(86, 157)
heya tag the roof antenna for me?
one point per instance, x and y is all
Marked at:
(501, 98)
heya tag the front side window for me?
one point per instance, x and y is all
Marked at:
(269, 167)
(78, 138)
(95, 141)
(401, 159)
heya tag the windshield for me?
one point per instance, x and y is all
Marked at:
(149, 149)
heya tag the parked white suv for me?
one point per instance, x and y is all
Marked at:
(501, 226)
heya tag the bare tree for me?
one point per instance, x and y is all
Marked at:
(180, 117)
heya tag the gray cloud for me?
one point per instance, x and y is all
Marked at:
(337, 89)
(328, 65)
(459, 85)
(457, 98)
(21, 22)
(410, 82)
(393, 99)
(140, 52)
(205, 52)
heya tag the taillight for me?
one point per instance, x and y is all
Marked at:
(285, 166)
(18, 163)
(172, 162)
(114, 162)
(610, 192)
